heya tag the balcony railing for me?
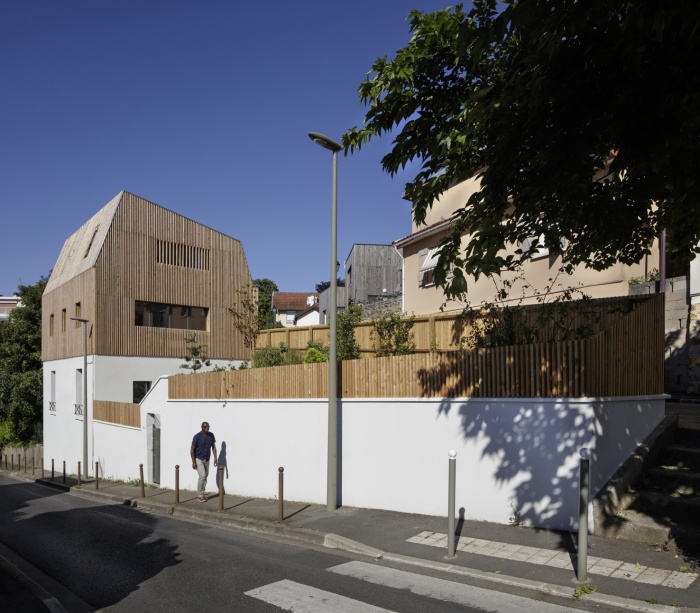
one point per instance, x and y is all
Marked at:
(52, 406)
(79, 409)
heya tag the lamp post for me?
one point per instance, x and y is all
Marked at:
(85, 411)
(332, 486)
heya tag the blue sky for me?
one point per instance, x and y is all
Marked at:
(202, 107)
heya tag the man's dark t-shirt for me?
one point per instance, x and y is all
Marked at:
(202, 445)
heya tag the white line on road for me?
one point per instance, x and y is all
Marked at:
(446, 591)
(300, 598)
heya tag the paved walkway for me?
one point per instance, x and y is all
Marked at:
(629, 576)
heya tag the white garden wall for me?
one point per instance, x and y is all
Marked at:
(513, 455)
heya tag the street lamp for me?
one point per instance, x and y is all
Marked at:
(85, 396)
(332, 486)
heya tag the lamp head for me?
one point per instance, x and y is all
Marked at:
(82, 319)
(325, 142)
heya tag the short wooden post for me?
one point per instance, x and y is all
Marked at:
(25, 462)
(13, 462)
(280, 499)
(64, 471)
(177, 484)
(143, 491)
(78, 472)
(97, 475)
(52, 470)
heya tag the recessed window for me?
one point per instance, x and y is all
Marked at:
(187, 256)
(51, 324)
(77, 314)
(158, 315)
(140, 390)
(63, 320)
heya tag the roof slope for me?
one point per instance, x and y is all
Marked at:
(291, 301)
(81, 249)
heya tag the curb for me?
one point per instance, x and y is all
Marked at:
(51, 603)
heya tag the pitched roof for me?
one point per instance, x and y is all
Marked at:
(424, 232)
(291, 301)
(81, 249)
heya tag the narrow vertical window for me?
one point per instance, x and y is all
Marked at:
(51, 324)
(63, 320)
(77, 314)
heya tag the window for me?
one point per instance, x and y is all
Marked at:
(157, 315)
(290, 317)
(52, 392)
(77, 314)
(427, 267)
(92, 240)
(187, 256)
(140, 390)
(63, 320)
(79, 391)
(51, 318)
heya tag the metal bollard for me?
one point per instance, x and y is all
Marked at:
(78, 472)
(143, 491)
(25, 463)
(42, 468)
(451, 505)
(97, 475)
(221, 488)
(280, 503)
(64, 471)
(13, 461)
(584, 477)
(34, 465)
(177, 484)
(52, 470)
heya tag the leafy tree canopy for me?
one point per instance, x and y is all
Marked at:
(21, 397)
(324, 285)
(266, 287)
(538, 98)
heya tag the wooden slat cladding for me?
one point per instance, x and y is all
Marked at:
(68, 343)
(122, 413)
(152, 254)
(625, 359)
(442, 332)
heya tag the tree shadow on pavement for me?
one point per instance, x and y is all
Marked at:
(101, 553)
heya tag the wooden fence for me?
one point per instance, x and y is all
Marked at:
(444, 332)
(123, 413)
(626, 358)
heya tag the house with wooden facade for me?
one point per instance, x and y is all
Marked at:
(146, 279)
(372, 273)
(420, 251)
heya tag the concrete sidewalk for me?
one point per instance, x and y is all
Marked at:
(631, 576)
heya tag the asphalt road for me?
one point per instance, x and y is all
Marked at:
(92, 556)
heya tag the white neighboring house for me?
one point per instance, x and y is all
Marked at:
(287, 306)
(7, 303)
(145, 279)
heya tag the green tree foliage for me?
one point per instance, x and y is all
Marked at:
(324, 285)
(538, 98)
(196, 354)
(394, 335)
(21, 381)
(276, 356)
(246, 315)
(347, 348)
(266, 318)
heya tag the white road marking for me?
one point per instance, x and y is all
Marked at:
(446, 591)
(291, 596)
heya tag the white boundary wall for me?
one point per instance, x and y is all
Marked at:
(513, 455)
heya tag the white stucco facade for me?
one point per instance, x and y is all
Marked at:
(512, 454)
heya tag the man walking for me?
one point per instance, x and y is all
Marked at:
(203, 444)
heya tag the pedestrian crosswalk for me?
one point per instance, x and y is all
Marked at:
(300, 598)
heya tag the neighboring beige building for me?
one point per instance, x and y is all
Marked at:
(7, 303)
(419, 250)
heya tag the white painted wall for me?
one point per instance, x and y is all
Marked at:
(512, 454)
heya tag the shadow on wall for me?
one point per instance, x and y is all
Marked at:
(535, 450)
(100, 556)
